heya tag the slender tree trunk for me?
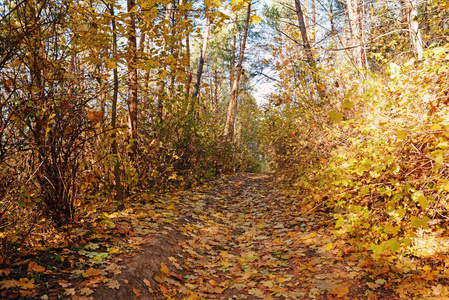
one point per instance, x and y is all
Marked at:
(361, 36)
(411, 13)
(189, 72)
(309, 53)
(331, 17)
(196, 89)
(132, 81)
(215, 105)
(161, 83)
(146, 85)
(355, 40)
(118, 182)
(234, 44)
(313, 21)
(229, 126)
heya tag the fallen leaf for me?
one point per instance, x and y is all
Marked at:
(33, 266)
(70, 292)
(372, 285)
(91, 272)
(137, 292)
(26, 284)
(147, 282)
(7, 284)
(162, 275)
(5, 272)
(27, 294)
(86, 291)
(164, 290)
(63, 283)
(340, 291)
(113, 284)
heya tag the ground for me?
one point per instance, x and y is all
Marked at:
(245, 236)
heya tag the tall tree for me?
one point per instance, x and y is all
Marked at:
(132, 79)
(356, 43)
(410, 13)
(229, 125)
(309, 52)
(199, 72)
(117, 171)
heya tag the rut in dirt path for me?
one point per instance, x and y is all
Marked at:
(247, 239)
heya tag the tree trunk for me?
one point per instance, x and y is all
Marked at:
(118, 182)
(411, 13)
(196, 89)
(355, 40)
(132, 81)
(309, 53)
(161, 82)
(189, 72)
(313, 21)
(331, 10)
(229, 126)
(234, 43)
(361, 36)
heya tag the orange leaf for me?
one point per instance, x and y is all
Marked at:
(91, 272)
(137, 292)
(33, 266)
(86, 291)
(113, 284)
(26, 284)
(94, 116)
(162, 275)
(7, 284)
(340, 291)
(70, 292)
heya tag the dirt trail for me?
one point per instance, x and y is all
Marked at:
(244, 237)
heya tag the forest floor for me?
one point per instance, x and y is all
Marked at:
(244, 236)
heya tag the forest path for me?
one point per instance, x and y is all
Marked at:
(245, 237)
(249, 239)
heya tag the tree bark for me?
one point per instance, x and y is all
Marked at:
(229, 126)
(410, 11)
(189, 72)
(234, 42)
(118, 183)
(355, 40)
(313, 21)
(132, 81)
(309, 53)
(161, 82)
(196, 89)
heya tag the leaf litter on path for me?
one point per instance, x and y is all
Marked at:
(243, 236)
